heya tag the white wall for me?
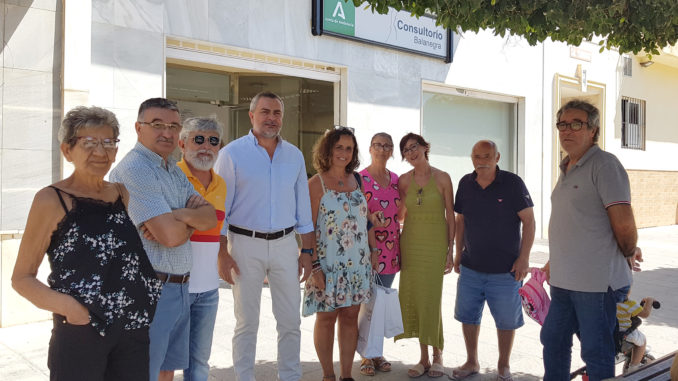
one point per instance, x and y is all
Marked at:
(383, 86)
(658, 86)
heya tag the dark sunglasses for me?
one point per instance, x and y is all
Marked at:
(199, 139)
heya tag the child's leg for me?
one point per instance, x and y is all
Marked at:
(637, 354)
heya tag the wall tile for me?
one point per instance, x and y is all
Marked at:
(270, 35)
(129, 64)
(48, 5)
(32, 39)
(24, 172)
(102, 11)
(228, 22)
(141, 15)
(31, 109)
(188, 19)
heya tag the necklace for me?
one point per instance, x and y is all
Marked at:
(421, 189)
(339, 180)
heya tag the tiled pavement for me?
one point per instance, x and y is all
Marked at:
(23, 349)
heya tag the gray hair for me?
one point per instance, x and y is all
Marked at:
(382, 135)
(592, 112)
(266, 94)
(162, 103)
(86, 117)
(200, 124)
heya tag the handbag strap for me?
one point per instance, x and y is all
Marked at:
(377, 279)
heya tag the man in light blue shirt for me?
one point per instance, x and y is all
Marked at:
(267, 200)
(166, 209)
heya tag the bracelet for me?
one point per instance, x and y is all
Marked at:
(315, 264)
(307, 251)
(374, 249)
(316, 270)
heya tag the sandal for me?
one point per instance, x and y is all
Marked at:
(330, 377)
(367, 367)
(417, 370)
(437, 369)
(381, 364)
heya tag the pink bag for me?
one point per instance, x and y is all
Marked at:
(535, 300)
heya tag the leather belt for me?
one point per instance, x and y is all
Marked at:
(172, 278)
(256, 234)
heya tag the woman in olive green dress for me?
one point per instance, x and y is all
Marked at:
(426, 248)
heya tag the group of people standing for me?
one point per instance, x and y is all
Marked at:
(135, 261)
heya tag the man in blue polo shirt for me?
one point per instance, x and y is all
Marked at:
(491, 257)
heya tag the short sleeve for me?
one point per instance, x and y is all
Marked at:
(458, 198)
(521, 197)
(146, 199)
(612, 183)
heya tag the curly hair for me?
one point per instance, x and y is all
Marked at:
(322, 150)
(86, 117)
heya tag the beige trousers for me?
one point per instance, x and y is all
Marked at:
(278, 260)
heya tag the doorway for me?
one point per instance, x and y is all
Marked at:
(226, 94)
(567, 89)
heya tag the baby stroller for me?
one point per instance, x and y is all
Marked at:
(622, 347)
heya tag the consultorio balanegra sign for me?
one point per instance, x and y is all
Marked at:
(399, 30)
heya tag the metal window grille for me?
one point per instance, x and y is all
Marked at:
(633, 123)
(627, 64)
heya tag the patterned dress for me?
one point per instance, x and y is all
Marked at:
(343, 251)
(96, 256)
(386, 200)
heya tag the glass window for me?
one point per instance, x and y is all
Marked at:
(453, 124)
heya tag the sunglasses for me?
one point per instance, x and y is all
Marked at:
(200, 139)
(419, 196)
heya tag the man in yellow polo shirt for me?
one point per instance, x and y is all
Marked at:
(200, 142)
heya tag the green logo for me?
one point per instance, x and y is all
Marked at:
(339, 17)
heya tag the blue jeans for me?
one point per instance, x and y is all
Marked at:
(169, 330)
(385, 280)
(593, 315)
(203, 314)
(500, 291)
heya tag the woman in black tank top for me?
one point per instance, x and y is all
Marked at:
(102, 288)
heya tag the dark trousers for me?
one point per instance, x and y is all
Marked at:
(79, 352)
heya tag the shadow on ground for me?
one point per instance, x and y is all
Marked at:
(654, 283)
(267, 370)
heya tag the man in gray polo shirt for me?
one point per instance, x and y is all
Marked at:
(592, 242)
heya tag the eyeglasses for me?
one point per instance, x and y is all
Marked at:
(159, 126)
(574, 126)
(90, 143)
(199, 139)
(419, 196)
(411, 148)
(382, 147)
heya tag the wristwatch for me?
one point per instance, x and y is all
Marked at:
(307, 251)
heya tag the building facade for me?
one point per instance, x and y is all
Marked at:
(212, 56)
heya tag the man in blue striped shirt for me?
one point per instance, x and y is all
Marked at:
(166, 209)
(267, 200)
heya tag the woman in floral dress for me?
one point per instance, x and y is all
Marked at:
(383, 200)
(102, 288)
(342, 274)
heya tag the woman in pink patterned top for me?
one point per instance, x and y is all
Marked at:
(383, 200)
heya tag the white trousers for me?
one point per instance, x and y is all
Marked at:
(256, 259)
